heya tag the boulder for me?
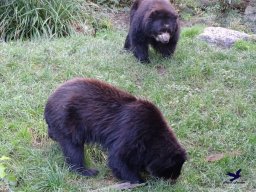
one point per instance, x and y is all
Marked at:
(222, 36)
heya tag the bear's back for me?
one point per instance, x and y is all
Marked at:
(89, 89)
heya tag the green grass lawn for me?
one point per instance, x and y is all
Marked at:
(207, 94)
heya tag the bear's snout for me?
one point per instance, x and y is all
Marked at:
(163, 37)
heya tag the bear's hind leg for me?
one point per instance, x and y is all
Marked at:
(127, 44)
(74, 155)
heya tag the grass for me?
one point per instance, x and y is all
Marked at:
(207, 94)
(26, 19)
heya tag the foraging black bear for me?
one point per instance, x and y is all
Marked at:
(132, 130)
(152, 22)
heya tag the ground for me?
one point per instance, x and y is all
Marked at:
(207, 94)
(234, 20)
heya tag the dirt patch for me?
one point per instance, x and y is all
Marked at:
(219, 156)
(161, 70)
(37, 140)
(120, 20)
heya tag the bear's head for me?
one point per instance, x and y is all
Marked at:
(161, 25)
(167, 165)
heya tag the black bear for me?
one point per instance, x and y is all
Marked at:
(132, 130)
(153, 22)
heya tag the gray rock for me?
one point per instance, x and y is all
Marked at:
(250, 13)
(222, 36)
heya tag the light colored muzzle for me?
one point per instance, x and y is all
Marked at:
(163, 37)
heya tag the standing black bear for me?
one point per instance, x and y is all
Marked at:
(133, 131)
(152, 22)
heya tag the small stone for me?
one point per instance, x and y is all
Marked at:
(222, 36)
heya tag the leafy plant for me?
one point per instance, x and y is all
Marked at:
(6, 178)
(24, 19)
(2, 167)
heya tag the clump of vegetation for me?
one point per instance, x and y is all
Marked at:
(245, 45)
(25, 19)
(192, 32)
(6, 178)
(224, 6)
(97, 15)
(229, 13)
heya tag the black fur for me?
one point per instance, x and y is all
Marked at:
(149, 18)
(133, 131)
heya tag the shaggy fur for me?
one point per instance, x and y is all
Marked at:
(152, 22)
(133, 131)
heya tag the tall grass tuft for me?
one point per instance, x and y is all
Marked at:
(25, 19)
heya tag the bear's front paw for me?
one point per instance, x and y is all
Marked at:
(144, 60)
(87, 172)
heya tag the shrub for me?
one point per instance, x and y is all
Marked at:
(98, 16)
(217, 6)
(225, 6)
(24, 19)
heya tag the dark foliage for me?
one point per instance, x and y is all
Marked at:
(26, 19)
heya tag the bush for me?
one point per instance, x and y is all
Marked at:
(227, 5)
(24, 19)
(217, 6)
(98, 16)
